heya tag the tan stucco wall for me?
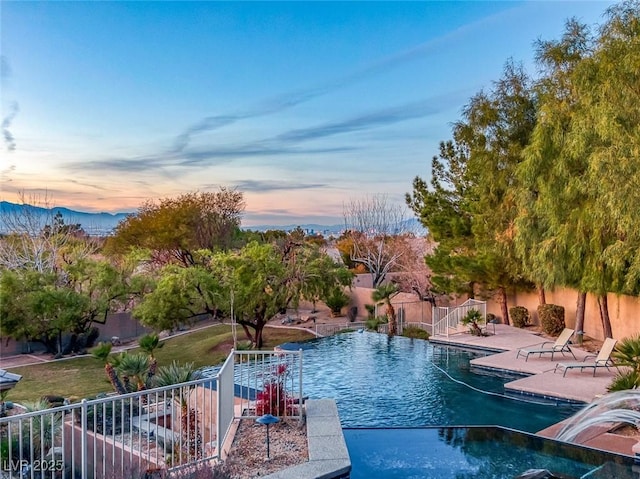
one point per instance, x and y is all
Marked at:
(624, 311)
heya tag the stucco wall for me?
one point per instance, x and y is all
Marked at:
(624, 311)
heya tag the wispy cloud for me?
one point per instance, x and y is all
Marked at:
(264, 186)
(9, 140)
(287, 144)
(374, 119)
(294, 98)
(90, 185)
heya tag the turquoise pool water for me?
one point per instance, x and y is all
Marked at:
(399, 382)
(473, 453)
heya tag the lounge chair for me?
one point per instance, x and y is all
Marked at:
(561, 345)
(602, 360)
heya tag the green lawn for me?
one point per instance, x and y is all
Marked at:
(84, 377)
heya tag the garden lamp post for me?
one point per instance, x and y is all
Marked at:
(267, 419)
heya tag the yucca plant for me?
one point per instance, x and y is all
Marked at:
(384, 294)
(149, 343)
(40, 432)
(135, 367)
(102, 352)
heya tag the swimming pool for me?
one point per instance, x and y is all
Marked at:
(379, 381)
(473, 453)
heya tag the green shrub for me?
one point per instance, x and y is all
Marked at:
(551, 318)
(373, 323)
(519, 316)
(415, 332)
(335, 301)
(371, 310)
(471, 319)
(624, 381)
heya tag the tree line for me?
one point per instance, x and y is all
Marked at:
(539, 186)
(170, 263)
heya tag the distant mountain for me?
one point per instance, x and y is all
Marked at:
(102, 224)
(92, 223)
(411, 225)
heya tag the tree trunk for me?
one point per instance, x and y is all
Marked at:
(502, 299)
(580, 310)
(604, 316)
(259, 328)
(248, 333)
(472, 292)
(114, 379)
(542, 298)
(392, 330)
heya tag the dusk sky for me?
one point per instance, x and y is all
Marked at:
(302, 106)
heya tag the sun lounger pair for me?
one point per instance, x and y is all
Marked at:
(561, 345)
(602, 360)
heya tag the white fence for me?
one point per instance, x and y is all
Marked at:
(268, 382)
(446, 319)
(147, 433)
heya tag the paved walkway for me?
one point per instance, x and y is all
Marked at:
(541, 379)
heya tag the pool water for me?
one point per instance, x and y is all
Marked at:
(379, 381)
(473, 453)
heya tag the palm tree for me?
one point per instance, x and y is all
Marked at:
(136, 367)
(149, 343)
(176, 373)
(384, 293)
(102, 352)
(627, 353)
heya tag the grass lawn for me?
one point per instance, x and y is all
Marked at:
(84, 377)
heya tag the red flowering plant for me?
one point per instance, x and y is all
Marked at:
(273, 399)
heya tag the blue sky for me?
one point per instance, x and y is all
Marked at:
(302, 106)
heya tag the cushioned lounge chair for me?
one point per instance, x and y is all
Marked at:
(602, 360)
(561, 345)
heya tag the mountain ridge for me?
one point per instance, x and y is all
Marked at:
(103, 223)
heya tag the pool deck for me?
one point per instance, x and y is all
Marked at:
(541, 379)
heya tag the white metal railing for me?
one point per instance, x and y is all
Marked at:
(447, 318)
(144, 433)
(268, 382)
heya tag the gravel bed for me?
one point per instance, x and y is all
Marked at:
(248, 454)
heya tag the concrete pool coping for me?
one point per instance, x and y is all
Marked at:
(539, 378)
(328, 453)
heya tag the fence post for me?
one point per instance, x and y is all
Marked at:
(300, 402)
(83, 441)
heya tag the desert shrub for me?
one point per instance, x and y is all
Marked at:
(371, 310)
(373, 323)
(273, 399)
(336, 300)
(623, 381)
(551, 318)
(415, 332)
(519, 316)
(471, 319)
